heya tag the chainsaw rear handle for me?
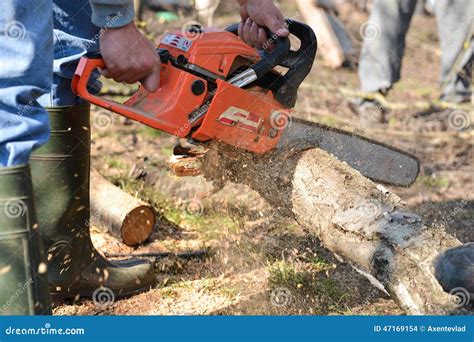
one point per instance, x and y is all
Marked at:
(269, 59)
(80, 81)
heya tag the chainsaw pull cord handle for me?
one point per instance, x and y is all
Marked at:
(269, 60)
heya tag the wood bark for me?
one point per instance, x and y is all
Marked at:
(122, 215)
(356, 219)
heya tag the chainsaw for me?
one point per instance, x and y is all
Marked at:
(216, 87)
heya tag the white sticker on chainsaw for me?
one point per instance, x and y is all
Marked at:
(241, 118)
(177, 42)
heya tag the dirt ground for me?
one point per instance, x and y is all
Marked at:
(260, 263)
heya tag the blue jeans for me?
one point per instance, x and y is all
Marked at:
(30, 51)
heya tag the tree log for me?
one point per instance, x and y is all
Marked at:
(353, 217)
(122, 215)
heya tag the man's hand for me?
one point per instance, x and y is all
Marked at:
(258, 15)
(130, 57)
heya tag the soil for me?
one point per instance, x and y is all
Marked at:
(260, 263)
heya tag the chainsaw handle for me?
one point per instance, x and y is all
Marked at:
(299, 63)
(88, 64)
(80, 81)
(269, 59)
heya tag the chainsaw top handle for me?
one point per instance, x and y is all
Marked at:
(270, 58)
(299, 62)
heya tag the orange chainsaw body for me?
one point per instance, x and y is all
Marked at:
(241, 117)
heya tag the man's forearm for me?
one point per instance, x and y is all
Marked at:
(112, 13)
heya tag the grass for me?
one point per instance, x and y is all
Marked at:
(310, 285)
(149, 132)
(115, 163)
(208, 223)
(433, 182)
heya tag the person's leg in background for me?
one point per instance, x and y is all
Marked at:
(26, 56)
(454, 18)
(382, 49)
(75, 268)
(455, 267)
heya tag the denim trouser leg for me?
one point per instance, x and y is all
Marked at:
(382, 52)
(26, 57)
(74, 35)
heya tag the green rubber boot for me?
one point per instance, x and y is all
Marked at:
(23, 281)
(61, 182)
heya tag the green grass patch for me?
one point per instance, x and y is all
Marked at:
(310, 286)
(432, 182)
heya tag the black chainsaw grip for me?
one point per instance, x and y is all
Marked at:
(299, 63)
(270, 58)
(281, 48)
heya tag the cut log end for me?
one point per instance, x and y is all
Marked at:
(120, 214)
(138, 225)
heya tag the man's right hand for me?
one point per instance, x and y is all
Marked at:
(130, 57)
(256, 16)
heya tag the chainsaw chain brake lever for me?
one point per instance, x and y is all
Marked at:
(298, 63)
